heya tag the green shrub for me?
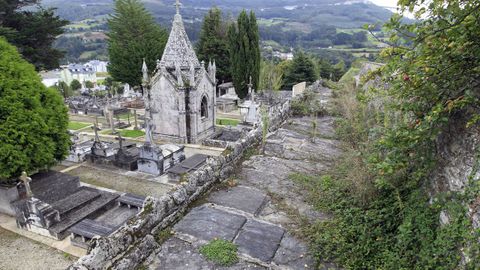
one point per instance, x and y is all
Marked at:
(220, 251)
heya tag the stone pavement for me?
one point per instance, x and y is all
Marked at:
(260, 214)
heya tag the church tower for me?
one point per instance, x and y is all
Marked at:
(180, 95)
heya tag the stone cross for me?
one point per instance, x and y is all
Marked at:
(96, 129)
(120, 140)
(26, 181)
(148, 131)
(250, 91)
(177, 6)
(135, 117)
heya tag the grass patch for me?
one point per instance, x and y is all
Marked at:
(128, 133)
(124, 116)
(220, 251)
(227, 122)
(72, 125)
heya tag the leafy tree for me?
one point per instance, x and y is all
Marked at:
(64, 89)
(325, 69)
(33, 32)
(244, 52)
(133, 35)
(302, 69)
(75, 85)
(89, 85)
(33, 118)
(212, 44)
(338, 70)
(271, 76)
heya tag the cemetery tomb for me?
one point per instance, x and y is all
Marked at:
(57, 202)
(188, 165)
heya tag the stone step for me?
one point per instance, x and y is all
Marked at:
(75, 201)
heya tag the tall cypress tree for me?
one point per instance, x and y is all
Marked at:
(213, 44)
(133, 35)
(244, 52)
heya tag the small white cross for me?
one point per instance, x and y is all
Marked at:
(177, 6)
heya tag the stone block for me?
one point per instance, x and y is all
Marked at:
(259, 240)
(293, 254)
(207, 223)
(179, 195)
(247, 199)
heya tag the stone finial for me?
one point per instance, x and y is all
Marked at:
(144, 72)
(214, 71)
(178, 73)
(26, 181)
(192, 75)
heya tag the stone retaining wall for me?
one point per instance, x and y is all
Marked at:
(129, 246)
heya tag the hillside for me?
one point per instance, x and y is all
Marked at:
(306, 14)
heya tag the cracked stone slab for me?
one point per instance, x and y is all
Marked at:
(250, 200)
(207, 223)
(293, 254)
(259, 240)
(178, 254)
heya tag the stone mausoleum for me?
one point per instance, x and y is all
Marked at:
(180, 95)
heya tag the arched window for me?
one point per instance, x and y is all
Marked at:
(204, 107)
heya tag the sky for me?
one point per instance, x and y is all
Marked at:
(387, 3)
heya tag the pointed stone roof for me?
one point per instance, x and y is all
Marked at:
(179, 50)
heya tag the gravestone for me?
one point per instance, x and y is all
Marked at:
(252, 114)
(126, 157)
(151, 156)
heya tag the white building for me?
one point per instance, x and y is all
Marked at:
(78, 72)
(97, 65)
(50, 78)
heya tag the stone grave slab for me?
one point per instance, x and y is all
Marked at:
(247, 199)
(259, 240)
(206, 223)
(293, 253)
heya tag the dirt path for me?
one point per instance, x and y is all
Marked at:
(20, 253)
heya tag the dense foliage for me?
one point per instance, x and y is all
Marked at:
(244, 52)
(384, 215)
(212, 44)
(271, 76)
(133, 36)
(302, 69)
(33, 32)
(33, 119)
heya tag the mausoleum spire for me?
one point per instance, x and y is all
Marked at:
(179, 49)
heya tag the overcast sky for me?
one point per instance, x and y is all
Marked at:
(387, 3)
